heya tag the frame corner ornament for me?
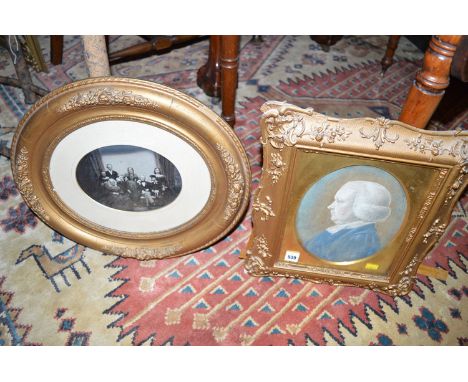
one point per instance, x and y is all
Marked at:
(406, 281)
(255, 266)
(286, 124)
(402, 287)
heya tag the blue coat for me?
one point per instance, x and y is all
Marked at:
(345, 245)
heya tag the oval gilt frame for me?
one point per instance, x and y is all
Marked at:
(73, 107)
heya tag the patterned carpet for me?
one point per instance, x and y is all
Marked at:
(56, 292)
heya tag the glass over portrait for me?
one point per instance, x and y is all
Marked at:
(350, 214)
(128, 178)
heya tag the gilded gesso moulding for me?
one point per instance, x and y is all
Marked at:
(25, 185)
(66, 110)
(308, 157)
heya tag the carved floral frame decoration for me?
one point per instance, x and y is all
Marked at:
(291, 135)
(66, 110)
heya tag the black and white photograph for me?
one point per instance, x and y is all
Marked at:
(129, 178)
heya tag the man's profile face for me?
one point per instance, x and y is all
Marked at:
(341, 210)
(109, 167)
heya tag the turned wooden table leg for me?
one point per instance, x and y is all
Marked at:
(209, 75)
(229, 58)
(56, 49)
(431, 81)
(387, 59)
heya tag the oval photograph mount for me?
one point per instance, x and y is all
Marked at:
(131, 168)
(128, 178)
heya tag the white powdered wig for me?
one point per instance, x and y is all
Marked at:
(371, 201)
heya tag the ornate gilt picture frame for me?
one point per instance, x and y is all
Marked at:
(356, 202)
(131, 168)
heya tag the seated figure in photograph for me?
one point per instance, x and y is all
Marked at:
(160, 181)
(145, 190)
(358, 205)
(110, 173)
(129, 192)
(159, 187)
(131, 185)
(154, 186)
(103, 178)
(111, 185)
(112, 195)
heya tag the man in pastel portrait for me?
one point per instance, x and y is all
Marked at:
(358, 205)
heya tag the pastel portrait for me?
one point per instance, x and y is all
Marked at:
(350, 214)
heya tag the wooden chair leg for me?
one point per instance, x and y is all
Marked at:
(387, 59)
(431, 81)
(229, 58)
(209, 75)
(56, 49)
